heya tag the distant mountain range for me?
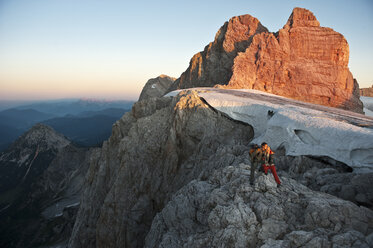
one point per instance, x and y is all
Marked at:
(90, 129)
(85, 122)
(76, 107)
(22, 118)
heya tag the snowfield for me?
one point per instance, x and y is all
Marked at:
(301, 128)
(368, 105)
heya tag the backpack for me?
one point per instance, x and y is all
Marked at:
(255, 154)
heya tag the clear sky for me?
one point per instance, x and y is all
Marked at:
(109, 49)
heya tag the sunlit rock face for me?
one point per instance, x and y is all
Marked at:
(302, 61)
(214, 65)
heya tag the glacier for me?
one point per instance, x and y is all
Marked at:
(298, 127)
(368, 105)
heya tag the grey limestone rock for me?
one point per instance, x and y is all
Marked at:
(175, 173)
(329, 176)
(156, 87)
(155, 150)
(226, 211)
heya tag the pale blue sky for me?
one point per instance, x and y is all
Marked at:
(109, 49)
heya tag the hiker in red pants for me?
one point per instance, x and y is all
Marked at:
(268, 162)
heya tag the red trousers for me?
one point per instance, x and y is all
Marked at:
(273, 170)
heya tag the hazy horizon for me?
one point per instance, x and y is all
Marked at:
(10, 104)
(109, 49)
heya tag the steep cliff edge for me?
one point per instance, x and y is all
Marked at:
(160, 146)
(214, 64)
(301, 61)
(169, 144)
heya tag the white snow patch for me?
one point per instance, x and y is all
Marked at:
(366, 99)
(173, 93)
(300, 128)
(368, 112)
(6, 207)
(56, 209)
(73, 205)
(23, 159)
(368, 105)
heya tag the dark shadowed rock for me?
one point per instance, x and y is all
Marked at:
(42, 175)
(154, 151)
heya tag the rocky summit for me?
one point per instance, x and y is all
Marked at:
(156, 149)
(175, 173)
(302, 61)
(41, 180)
(156, 87)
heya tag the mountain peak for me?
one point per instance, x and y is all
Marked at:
(302, 18)
(156, 87)
(302, 61)
(43, 136)
(239, 30)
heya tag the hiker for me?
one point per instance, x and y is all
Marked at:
(268, 162)
(256, 157)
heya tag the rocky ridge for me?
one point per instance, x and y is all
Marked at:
(301, 61)
(156, 87)
(41, 178)
(214, 64)
(226, 211)
(38, 144)
(172, 163)
(160, 146)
